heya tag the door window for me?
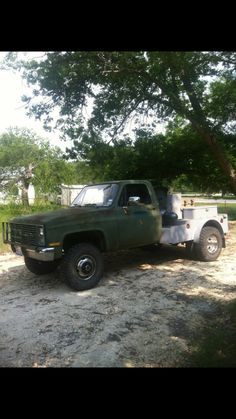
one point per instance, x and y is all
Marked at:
(140, 190)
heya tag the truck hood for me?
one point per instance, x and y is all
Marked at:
(59, 216)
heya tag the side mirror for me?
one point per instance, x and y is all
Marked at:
(133, 200)
(169, 218)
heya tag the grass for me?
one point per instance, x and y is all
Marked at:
(215, 346)
(229, 209)
(12, 210)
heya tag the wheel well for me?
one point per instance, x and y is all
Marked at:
(213, 223)
(93, 237)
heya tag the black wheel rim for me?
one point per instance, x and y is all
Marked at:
(86, 267)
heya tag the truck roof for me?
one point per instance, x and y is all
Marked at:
(120, 181)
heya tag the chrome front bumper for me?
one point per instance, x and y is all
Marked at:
(46, 254)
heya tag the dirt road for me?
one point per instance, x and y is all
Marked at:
(142, 314)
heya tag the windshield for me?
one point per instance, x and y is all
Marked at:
(97, 195)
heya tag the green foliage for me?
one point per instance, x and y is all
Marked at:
(196, 87)
(18, 148)
(222, 106)
(191, 157)
(179, 159)
(50, 174)
(126, 84)
(25, 159)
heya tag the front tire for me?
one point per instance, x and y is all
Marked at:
(39, 267)
(82, 266)
(210, 244)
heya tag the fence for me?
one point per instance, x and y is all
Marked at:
(69, 193)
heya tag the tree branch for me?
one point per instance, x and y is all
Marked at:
(193, 99)
(124, 119)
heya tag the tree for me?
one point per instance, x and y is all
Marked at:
(19, 154)
(52, 171)
(179, 159)
(198, 167)
(26, 159)
(123, 85)
(104, 161)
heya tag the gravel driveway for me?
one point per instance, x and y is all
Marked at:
(142, 314)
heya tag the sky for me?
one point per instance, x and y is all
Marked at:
(12, 109)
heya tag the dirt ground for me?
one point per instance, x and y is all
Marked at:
(142, 314)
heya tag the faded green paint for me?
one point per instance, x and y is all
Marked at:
(120, 226)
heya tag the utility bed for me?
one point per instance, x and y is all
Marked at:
(200, 212)
(194, 218)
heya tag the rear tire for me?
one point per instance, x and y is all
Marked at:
(82, 266)
(39, 267)
(190, 250)
(210, 244)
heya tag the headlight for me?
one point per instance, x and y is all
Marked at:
(41, 238)
(41, 231)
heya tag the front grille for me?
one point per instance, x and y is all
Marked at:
(24, 233)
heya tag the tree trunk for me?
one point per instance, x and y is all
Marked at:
(24, 194)
(200, 124)
(25, 181)
(219, 154)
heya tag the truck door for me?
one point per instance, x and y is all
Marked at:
(138, 222)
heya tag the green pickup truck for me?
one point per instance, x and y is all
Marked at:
(107, 217)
